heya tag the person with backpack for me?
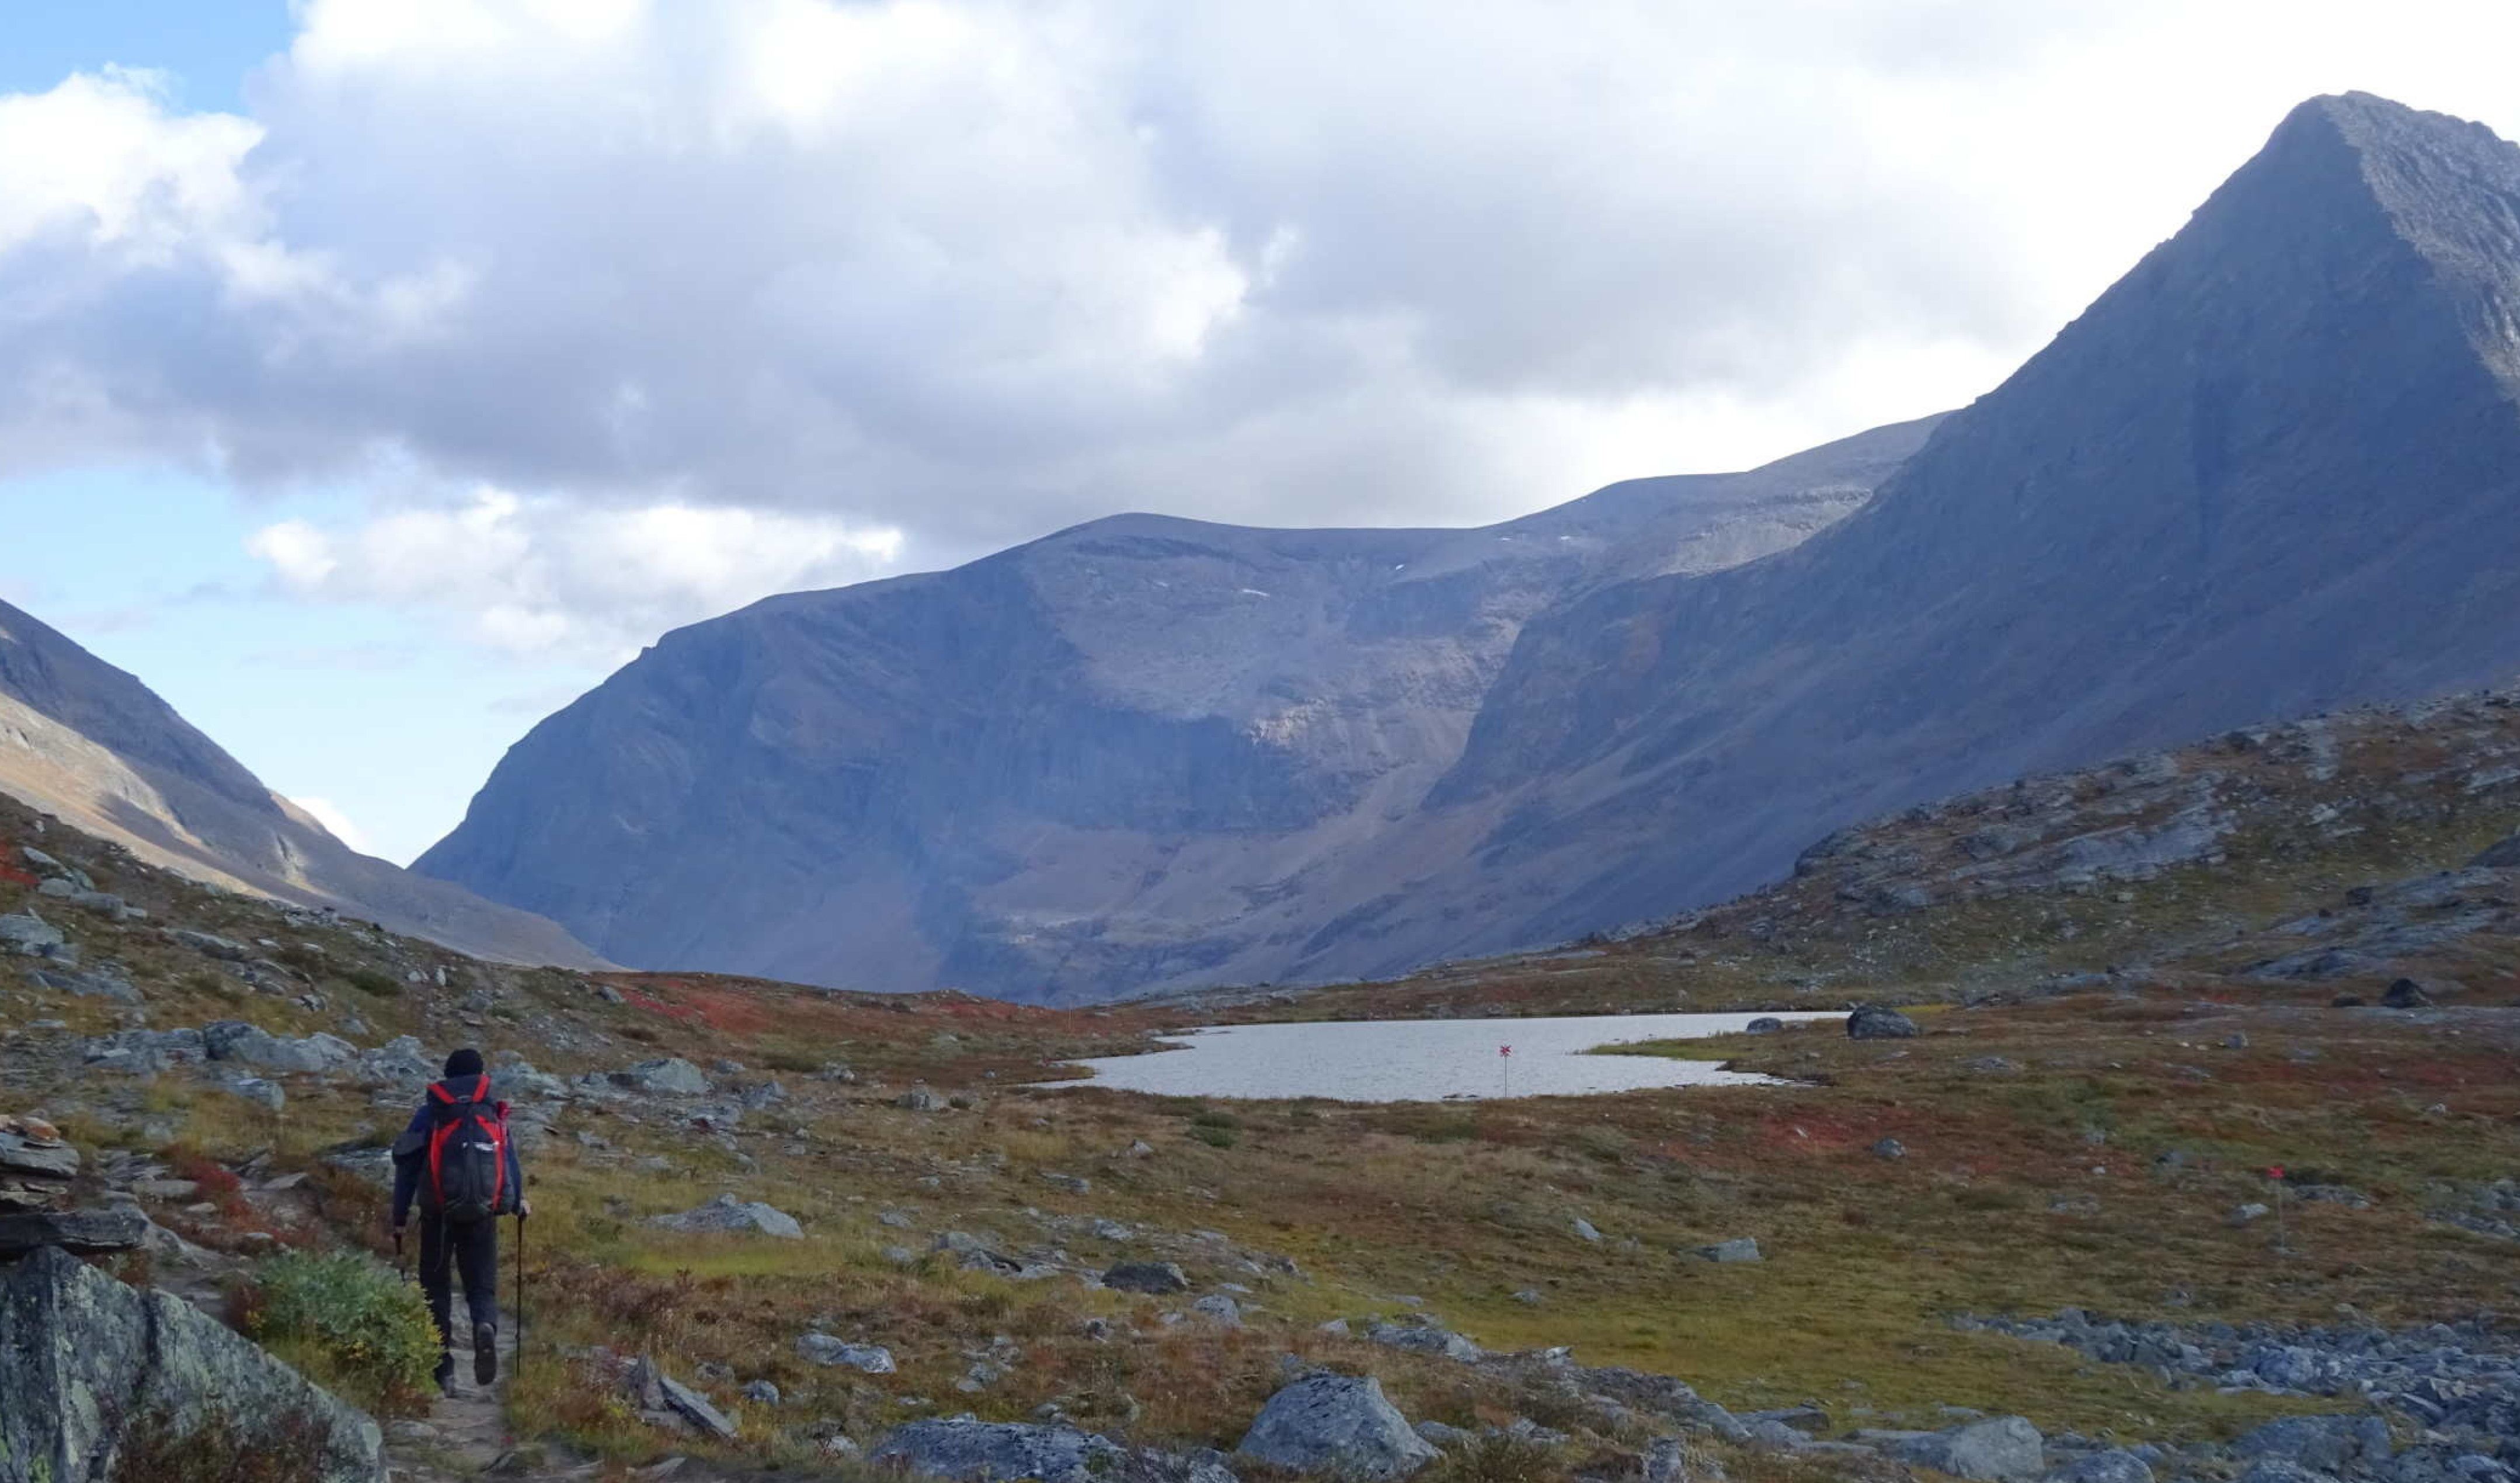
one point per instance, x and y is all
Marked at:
(457, 1160)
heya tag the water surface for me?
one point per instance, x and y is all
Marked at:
(1425, 1059)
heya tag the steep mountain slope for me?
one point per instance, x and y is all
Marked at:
(94, 746)
(2275, 469)
(1113, 757)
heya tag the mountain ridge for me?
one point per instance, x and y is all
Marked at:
(94, 746)
(1112, 753)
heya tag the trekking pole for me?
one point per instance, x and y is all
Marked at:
(520, 1290)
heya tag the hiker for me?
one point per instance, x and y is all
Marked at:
(457, 1159)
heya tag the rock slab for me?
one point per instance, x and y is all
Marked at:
(84, 1360)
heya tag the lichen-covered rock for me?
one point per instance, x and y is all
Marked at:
(1336, 1423)
(982, 1451)
(822, 1349)
(88, 1364)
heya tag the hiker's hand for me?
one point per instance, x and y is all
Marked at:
(524, 1207)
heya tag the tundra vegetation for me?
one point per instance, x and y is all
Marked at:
(2141, 991)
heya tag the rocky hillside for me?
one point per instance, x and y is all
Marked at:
(2327, 853)
(1124, 754)
(93, 746)
(2207, 1217)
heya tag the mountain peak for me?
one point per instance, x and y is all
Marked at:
(2451, 189)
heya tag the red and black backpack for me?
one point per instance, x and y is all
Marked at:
(465, 1178)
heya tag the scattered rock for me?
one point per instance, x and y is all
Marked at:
(1220, 1308)
(1739, 1249)
(2245, 1214)
(653, 1393)
(1585, 1230)
(1666, 1460)
(1889, 1148)
(1335, 1423)
(233, 1040)
(210, 945)
(822, 1349)
(76, 1337)
(2328, 1443)
(1872, 1021)
(919, 1098)
(727, 1213)
(1765, 1024)
(2116, 1465)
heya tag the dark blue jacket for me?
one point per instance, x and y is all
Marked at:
(411, 1153)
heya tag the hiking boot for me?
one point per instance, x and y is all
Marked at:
(444, 1374)
(486, 1353)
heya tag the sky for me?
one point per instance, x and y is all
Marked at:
(376, 376)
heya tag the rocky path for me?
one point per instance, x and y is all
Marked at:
(464, 1434)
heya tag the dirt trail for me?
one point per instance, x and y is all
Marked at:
(466, 1433)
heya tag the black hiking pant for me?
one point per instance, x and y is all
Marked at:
(473, 1250)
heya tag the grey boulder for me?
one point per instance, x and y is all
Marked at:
(85, 1361)
(1742, 1248)
(1426, 1338)
(1157, 1278)
(1872, 1021)
(1336, 1423)
(231, 1040)
(671, 1076)
(726, 1213)
(1997, 1449)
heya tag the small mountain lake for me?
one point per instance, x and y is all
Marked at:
(1425, 1059)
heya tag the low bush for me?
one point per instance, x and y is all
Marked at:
(350, 1324)
(218, 1449)
(1213, 1136)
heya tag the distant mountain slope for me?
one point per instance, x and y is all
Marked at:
(1120, 756)
(92, 745)
(2276, 469)
(2273, 470)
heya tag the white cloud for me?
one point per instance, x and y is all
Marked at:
(546, 576)
(337, 823)
(970, 269)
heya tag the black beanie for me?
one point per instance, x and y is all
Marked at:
(463, 1062)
